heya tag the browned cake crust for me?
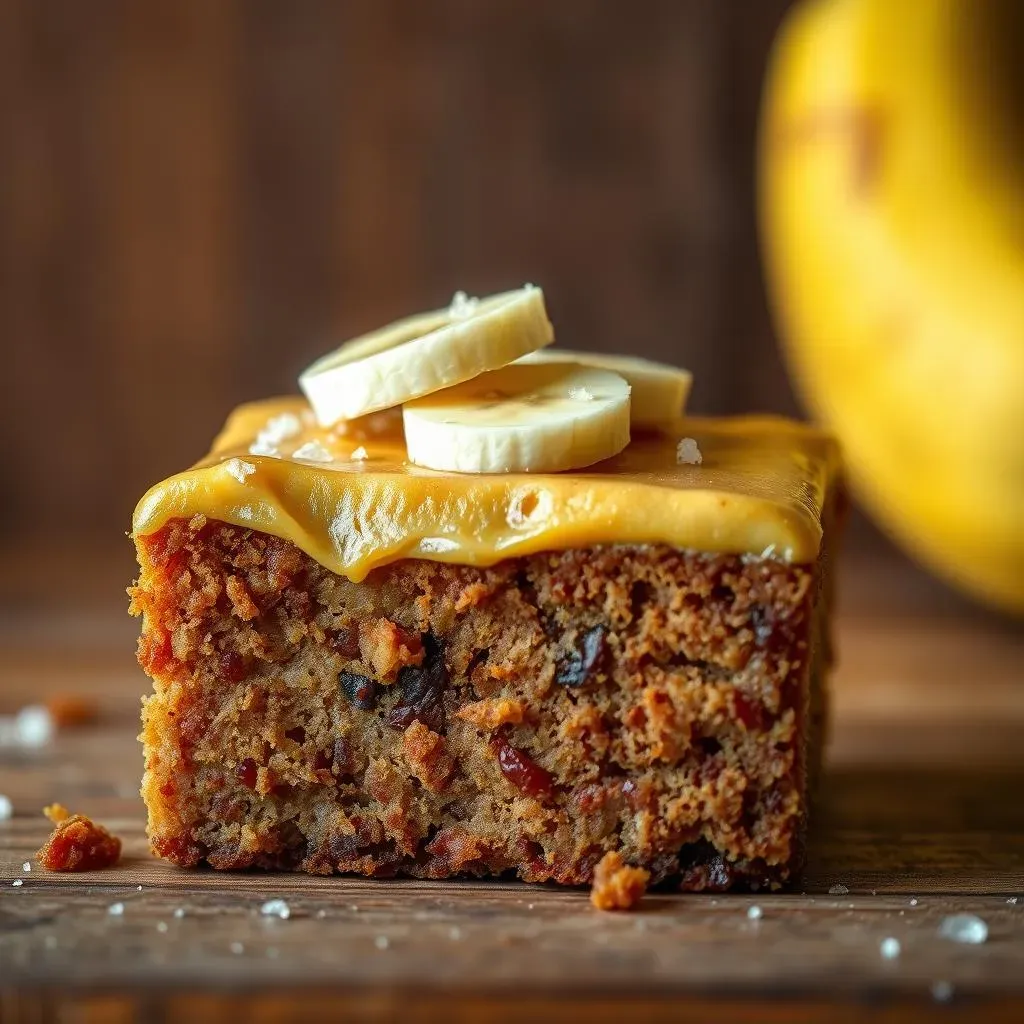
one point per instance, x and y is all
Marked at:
(437, 720)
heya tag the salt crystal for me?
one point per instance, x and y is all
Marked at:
(581, 394)
(239, 469)
(838, 890)
(17, 882)
(26, 866)
(115, 909)
(6, 808)
(755, 913)
(237, 948)
(966, 928)
(312, 451)
(140, 888)
(381, 942)
(179, 912)
(687, 453)
(1012, 901)
(161, 926)
(280, 428)
(462, 306)
(321, 914)
(942, 991)
(276, 908)
(360, 454)
(35, 726)
(889, 948)
(913, 901)
(260, 447)
(455, 934)
(354, 908)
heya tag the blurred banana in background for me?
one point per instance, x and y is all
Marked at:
(891, 178)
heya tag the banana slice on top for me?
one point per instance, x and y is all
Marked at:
(659, 390)
(539, 418)
(425, 353)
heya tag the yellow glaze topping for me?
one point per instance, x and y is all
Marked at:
(759, 491)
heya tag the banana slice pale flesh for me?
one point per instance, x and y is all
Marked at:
(423, 354)
(525, 418)
(659, 391)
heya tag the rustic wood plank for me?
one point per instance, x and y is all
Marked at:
(911, 831)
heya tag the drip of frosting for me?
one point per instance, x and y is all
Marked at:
(347, 497)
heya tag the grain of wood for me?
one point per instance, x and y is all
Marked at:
(912, 837)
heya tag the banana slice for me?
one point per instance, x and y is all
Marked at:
(538, 418)
(425, 353)
(659, 391)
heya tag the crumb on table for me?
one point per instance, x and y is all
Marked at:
(69, 710)
(56, 813)
(617, 886)
(77, 843)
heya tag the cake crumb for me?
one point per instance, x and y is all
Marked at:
(69, 710)
(56, 813)
(77, 843)
(688, 453)
(617, 886)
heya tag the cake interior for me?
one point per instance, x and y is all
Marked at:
(438, 720)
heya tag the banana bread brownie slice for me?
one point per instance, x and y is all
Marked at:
(436, 719)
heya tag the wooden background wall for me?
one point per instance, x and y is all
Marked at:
(199, 196)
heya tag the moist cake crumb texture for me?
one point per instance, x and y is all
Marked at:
(617, 886)
(433, 720)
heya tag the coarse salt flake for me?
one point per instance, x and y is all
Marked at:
(755, 913)
(276, 908)
(161, 926)
(462, 306)
(6, 807)
(281, 428)
(966, 928)
(382, 942)
(17, 882)
(258, 447)
(35, 726)
(360, 454)
(942, 991)
(581, 394)
(237, 948)
(312, 451)
(889, 948)
(115, 909)
(27, 866)
(687, 453)
(239, 469)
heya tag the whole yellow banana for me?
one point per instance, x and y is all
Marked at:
(892, 215)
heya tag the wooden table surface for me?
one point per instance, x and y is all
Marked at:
(922, 817)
